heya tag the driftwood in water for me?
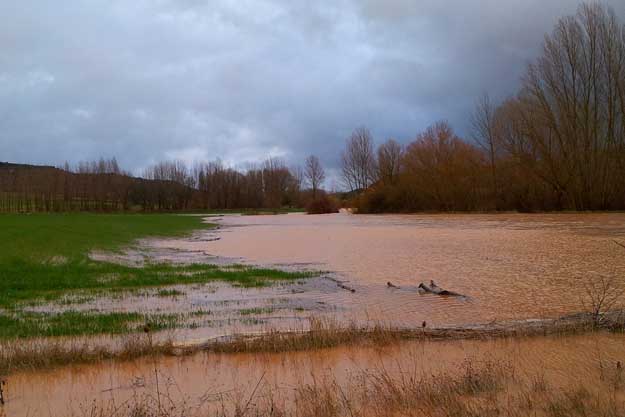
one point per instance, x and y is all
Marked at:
(340, 284)
(435, 289)
(345, 287)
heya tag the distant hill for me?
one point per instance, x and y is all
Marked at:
(29, 188)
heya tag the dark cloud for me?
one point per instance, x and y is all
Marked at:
(154, 79)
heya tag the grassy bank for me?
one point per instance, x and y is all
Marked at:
(45, 257)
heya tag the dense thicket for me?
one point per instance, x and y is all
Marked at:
(558, 144)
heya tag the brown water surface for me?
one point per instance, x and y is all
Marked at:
(510, 266)
(204, 380)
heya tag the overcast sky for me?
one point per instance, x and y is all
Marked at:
(240, 80)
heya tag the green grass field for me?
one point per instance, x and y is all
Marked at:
(45, 256)
(40, 237)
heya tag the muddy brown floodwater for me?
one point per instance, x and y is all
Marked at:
(205, 380)
(510, 266)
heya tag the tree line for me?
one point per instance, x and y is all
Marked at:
(558, 144)
(166, 186)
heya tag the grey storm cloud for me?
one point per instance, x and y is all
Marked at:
(242, 80)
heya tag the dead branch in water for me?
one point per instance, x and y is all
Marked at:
(603, 295)
(340, 284)
(252, 395)
(435, 289)
(346, 288)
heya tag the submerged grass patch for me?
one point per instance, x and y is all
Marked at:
(46, 255)
(169, 293)
(256, 311)
(45, 258)
(74, 323)
(52, 282)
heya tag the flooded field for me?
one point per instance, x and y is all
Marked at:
(507, 268)
(510, 266)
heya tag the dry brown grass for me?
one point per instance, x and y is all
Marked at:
(46, 353)
(327, 333)
(477, 388)
(320, 334)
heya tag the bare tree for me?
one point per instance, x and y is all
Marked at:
(603, 295)
(358, 162)
(483, 122)
(276, 181)
(175, 171)
(389, 160)
(574, 106)
(314, 174)
(298, 176)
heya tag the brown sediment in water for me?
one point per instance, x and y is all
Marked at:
(511, 266)
(207, 381)
(216, 310)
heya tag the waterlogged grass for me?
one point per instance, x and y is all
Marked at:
(45, 258)
(26, 281)
(45, 254)
(74, 323)
(169, 293)
(255, 311)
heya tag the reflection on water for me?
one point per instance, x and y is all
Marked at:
(512, 266)
(208, 378)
